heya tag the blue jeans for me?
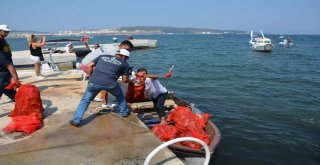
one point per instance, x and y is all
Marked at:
(4, 81)
(91, 92)
(158, 104)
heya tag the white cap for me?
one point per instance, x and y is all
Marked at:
(124, 52)
(4, 28)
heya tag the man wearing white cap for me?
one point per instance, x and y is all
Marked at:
(7, 71)
(108, 69)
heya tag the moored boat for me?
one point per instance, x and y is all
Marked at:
(261, 43)
(150, 119)
(288, 42)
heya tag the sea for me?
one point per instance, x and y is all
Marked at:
(266, 104)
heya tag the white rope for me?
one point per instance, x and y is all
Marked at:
(155, 151)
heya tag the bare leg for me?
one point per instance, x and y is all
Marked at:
(104, 97)
(37, 68)
(163, 121)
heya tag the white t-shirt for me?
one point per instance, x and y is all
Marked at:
(154, 87)
(104, 50)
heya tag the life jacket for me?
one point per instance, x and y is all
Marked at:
(135, 92)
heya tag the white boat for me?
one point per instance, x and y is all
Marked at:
(288, 42)
(260, 43)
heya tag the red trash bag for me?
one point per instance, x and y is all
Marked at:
(27, 113)
(27, 102)
(165, 132)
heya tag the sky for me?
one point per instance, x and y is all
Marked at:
(272, 16)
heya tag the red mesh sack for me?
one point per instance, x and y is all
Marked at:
(189, 124)
(27, 102)
(27, 113)
(165, 132)
(135, 92)
(24, 123)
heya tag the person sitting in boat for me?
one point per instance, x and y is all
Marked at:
(149, 85)
(68, 48)
(129, 37)
(115, 39)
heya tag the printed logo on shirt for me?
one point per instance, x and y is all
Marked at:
(6, 49)
(112, 60)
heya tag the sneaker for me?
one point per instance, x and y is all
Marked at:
(97, 99)
(73, 123)
(40, 77)
(125, 115)
(108, 105)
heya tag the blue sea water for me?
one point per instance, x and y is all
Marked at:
(266, 105)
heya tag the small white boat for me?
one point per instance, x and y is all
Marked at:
(261, 43)
(288, 42)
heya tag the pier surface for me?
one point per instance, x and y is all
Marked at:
(106, 138)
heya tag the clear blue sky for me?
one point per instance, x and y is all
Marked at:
(272, 16)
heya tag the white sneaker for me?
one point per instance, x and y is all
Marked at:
(108, 105)
(97, 99)
(40, 77)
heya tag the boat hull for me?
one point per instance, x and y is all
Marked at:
(263, 48)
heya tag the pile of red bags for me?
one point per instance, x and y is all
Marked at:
(27, 114)
(186, 124)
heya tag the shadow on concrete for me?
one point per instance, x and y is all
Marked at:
(4, 114)
(48, 109)
(93, 116)
(44, 87)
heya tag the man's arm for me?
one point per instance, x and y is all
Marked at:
(13, 72)
(86, 44)
(125, 78)
(90, 66)
(152, 76)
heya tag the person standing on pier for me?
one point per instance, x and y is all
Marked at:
(108, 69)
(8, 72)
(36, 53)
(93, 55)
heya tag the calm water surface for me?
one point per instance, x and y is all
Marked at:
(266, 105)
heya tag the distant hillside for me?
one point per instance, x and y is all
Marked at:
(134, 30)
(179, 30)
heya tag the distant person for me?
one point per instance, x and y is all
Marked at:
(8, 72)
(107, 71)
(129, 37)
(68, 48)
(115, 39)
(36, 53)
(153, 89)
(93, 55)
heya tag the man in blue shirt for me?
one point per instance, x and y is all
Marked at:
(108, 69)
(7, 71)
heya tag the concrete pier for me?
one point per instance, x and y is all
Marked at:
(106, 138)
